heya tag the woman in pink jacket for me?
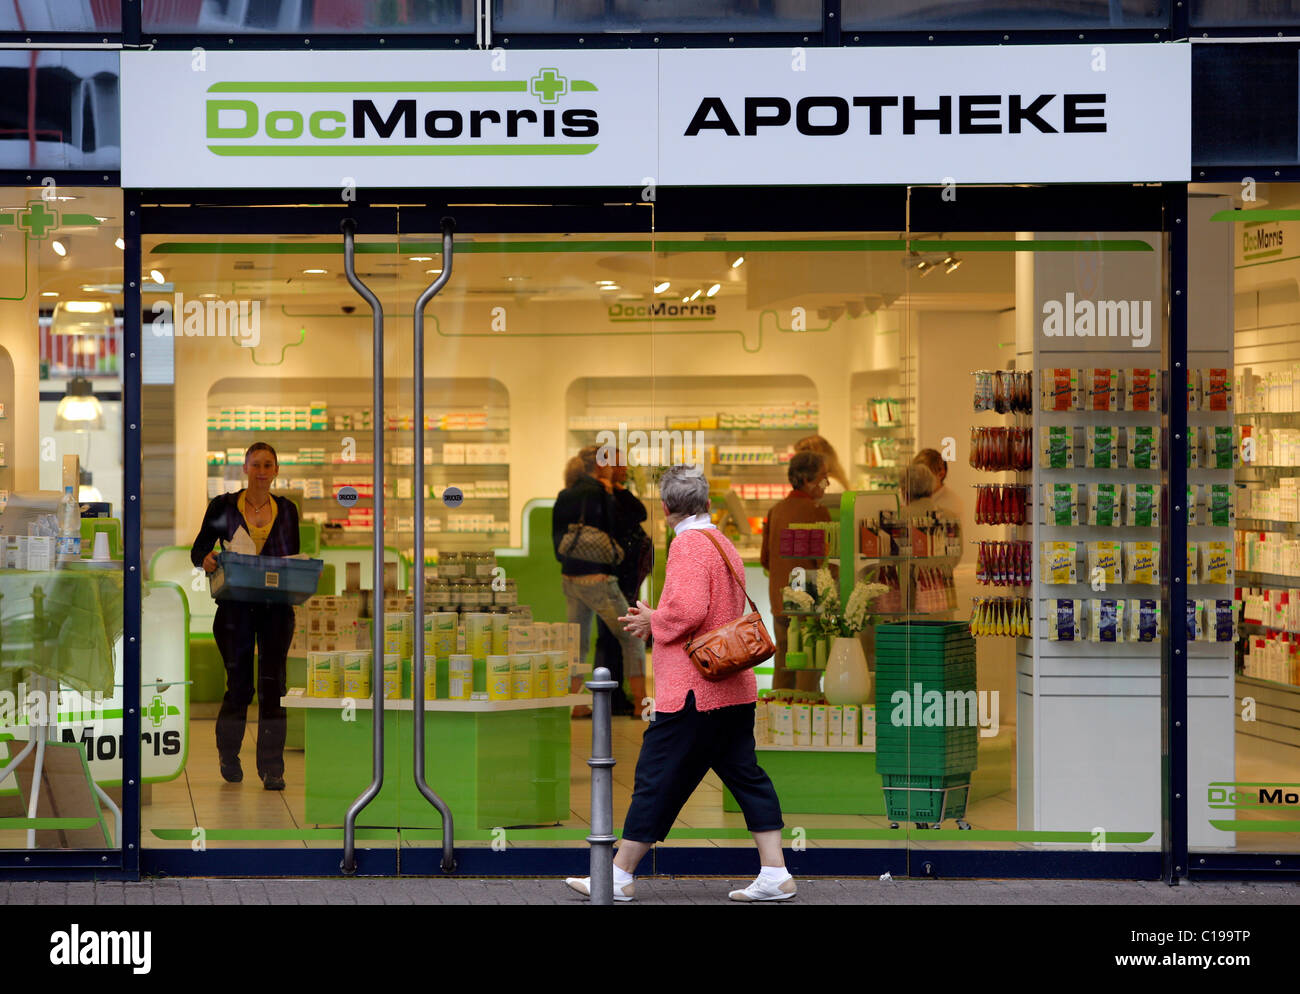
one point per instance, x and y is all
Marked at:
(697, 725)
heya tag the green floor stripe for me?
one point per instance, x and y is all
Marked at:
(1256, 826)
(1263, 214)
(270, 834)
(40, 823)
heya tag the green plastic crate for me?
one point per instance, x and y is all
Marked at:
(915, 799)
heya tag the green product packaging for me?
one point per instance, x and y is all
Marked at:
(1220, 450)
(1143, 505)
(1062, 508)
(1219, 505)
(1143, 447)
(1191, 503)
(1101, 447)
(1103, 504)
(1058, 447)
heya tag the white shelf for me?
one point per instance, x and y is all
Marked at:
(296, 698)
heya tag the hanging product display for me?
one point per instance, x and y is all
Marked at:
(1001, 449)
(1101, 390)
(1142, 505)
(1004, 391)
(1142, 390)
(1005, 564)
(1001, 616)
(1102, 447)
(1001, 504)
(1061, 504)
(1064, 620)
(1104, 505)
(1060, 389)
(1058, 560)
(1057, 447)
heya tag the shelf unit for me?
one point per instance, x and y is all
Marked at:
(485, 398)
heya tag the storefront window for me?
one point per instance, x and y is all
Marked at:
(1244, 738)
(61, 110)
(660, 15)
(50, 15)
(1022, 15)
(322, 17)
(61, 513)
(1243, 13)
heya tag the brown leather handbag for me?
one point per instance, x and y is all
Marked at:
(735, 647)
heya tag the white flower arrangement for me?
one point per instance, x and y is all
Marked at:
(856, 614)
(796, 600)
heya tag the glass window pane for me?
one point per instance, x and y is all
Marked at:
(901, 15)
(53, 15)
(61, 426)
(321, 17)
(657, 15)
(1244, 13)
(70, 121)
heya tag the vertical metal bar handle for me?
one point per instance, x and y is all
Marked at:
(349, 864)
(602, 788)
(417, 580)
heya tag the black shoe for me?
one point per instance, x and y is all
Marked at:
(231, 771)
(620, 706)
(273, 782)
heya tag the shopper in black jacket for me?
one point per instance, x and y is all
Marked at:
(638, 558)
(272, 523)
(592, 588)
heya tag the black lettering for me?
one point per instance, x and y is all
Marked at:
(456, 124)
(364, 110)
(721, 121)
(579, 123)
(513, 117)
(837, 127)
(548, 124)
(1074, 111)
(171, 743)
(476, 119)
(1017, 114)
(755, 120)
(1265, 797)
(874, 104)
(969, 114)
(942, 114)
(105, 747)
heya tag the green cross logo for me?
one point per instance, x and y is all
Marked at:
(157, 711)
(548, 86)
(38, 219)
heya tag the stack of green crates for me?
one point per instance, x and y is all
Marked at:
(928, 766)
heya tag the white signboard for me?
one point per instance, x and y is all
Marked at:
(1085, 113)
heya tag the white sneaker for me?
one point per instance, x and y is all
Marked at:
(761, 890)
(583, 886)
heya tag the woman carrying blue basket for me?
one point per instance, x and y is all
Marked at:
(272, 524)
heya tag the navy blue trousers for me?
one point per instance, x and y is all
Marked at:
(678, 748)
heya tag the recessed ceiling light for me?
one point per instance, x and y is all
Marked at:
(422, 258)
(714, 289)
(611, 286)
(157, 277)
(740, 260)
(314, 272)
(661, 287)
(88, 306)
(695, 294)
(208, 295)
(101, 220)
(64, 197)
(59, 248)
(433, 272)
(119, 243)
(49, 293)
(604, 283)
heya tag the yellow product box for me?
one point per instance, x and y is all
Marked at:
(394, 643)
(521, 675)
(1059, 562)
(323, 672)
(460, 676)
(392, 676)
(780, 720)
(852, 726)
(478, 634)
(1143, 562)
(498, 677)
(430, 676)
(819, 725)
(1104, 562)
(356, 673)
(500, 634)
(1216, 562)
(802, 723)
(521, 637)
(559, 673)
(834, 725)
(541, 674)
(444, 632)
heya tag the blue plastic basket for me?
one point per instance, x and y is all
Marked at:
(264, 579)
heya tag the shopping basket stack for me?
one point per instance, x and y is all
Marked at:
(926, 765)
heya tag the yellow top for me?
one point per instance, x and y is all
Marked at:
(258, 535)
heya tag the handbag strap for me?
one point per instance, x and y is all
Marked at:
(708, 533)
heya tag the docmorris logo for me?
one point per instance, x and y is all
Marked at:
(420, 118)
(1238, 795)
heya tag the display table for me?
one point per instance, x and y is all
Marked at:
(80, 620)
(497, 764)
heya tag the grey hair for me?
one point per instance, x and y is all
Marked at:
(684, 490)
(917, 481)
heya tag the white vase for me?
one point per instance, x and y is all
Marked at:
(847, 680)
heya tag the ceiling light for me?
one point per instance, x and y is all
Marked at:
(695, 294)
(157, 276)
(422, 258)
(926, 268)
(686, 300)
(611, 286)
(740, 261)
(64, 197)
(208, 295)
(119, 243)
(59, 248)
(49, 293)
(604, 283)
(661, 287)
(952, 262)
(79, 409)
(432, 272)
(714, 289)
(314, 272)
(88, 306)
(82, 317)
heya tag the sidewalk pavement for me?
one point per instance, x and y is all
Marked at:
(650, 891)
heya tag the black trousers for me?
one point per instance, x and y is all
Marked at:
(678, 748)
(238, 628)
(609, 653)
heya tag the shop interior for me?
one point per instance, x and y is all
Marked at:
(732, 346)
